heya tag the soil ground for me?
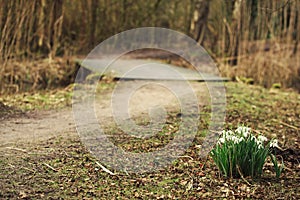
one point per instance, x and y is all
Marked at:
(42, 125)
(43, 157)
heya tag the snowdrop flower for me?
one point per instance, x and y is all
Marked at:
(246, 132)
(223, 133)
(230, 132)
(243, 130)
(274, 143)
(222, 140)
(253, 138)
(235, 139)
(239, 129)
(262, 138)
(241, 139)
(256, 148)
(228, 137)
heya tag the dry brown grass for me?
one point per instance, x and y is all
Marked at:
(278, 65)
(275, 65)
(38, 74)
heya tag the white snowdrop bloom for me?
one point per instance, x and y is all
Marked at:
(243, 130)
(239, 129)
(255, 140)
(241, 139)
(260, 146)
(245, 133)
(229, 134)
(262, 138)
(228, 137)
(259, 143)
(222, 140)
(223, 133)
(274, 143)
(235, 139)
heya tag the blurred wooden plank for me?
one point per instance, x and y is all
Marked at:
(146, 69)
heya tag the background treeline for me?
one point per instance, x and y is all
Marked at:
(252, 40)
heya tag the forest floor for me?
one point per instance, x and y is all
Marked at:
(42, 156)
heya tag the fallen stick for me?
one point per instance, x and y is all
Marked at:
(50, 167)
(242, 176)
(17, 149)
(104, 168)
(283, 123)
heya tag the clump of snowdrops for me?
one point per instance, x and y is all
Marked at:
(240, 153)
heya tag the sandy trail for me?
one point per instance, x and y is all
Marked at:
(42, 125)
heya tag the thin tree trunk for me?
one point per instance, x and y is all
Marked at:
(94, 9)
(297, 28)
(236, 27)
(202, 21)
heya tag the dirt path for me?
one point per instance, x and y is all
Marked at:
(36, 126)
(42, 125)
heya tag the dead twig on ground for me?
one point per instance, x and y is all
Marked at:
(105, 169)
(238, 168)
(17, 149)
(286, 124)
(50, 167)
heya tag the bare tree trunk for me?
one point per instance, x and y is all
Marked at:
(292, 20)
(297, 28)
(189, 20)
(202, 21)
(41, 24)
(93, 25)
(236, 24)
(55, 28)
(253, 35)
